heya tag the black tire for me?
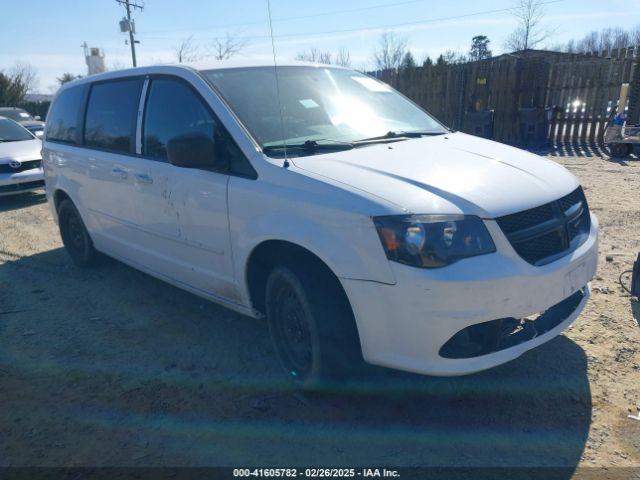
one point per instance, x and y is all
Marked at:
(620, 150)
(312, 326)
(75, 237)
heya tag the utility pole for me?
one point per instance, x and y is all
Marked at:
(129, 26)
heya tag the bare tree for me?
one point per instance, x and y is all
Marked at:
(529, 32)
(589, 43)
(187, 51)
(226, 47)
(605, 40)
(343, 58)
(635, 35)
(451, 57)
(569, 48)
(621, 38)
(391, 50)
(313, 55)
(15, 84)
(26, 75)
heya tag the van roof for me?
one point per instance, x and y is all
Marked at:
(198, 66)
(193, 67)
(208, 65)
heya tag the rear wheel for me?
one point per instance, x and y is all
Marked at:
(620, 150)
(75, 237)
(311, 325)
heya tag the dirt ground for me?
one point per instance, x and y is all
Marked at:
(110, 367)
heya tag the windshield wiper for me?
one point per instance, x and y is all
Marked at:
(313, 146)
(310, 146)
(394, 136)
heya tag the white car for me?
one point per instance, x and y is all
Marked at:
(34, 124)
(20, 159)
(325, 201)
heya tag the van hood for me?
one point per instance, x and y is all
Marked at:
(453, 173)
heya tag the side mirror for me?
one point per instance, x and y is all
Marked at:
(37, 117)
(192, 150)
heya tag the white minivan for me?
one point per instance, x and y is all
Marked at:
(323, 200)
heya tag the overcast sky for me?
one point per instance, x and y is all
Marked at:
(48, 34)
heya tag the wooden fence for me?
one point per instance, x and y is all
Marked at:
(528, 97)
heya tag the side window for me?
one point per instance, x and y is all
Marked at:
(174, 109)
(111, 115)
(62, 121)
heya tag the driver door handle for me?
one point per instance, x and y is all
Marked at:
(143, 178)
(119, 172)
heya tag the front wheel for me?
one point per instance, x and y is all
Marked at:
(311, 325)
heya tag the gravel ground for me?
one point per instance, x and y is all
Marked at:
(110, 367)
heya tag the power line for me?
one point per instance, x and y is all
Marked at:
(405, 24)
(285, 19)
(377, 27)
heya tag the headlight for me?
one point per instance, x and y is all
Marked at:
(432, 241)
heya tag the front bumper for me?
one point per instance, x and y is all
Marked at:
(405, 325)
(29, 180)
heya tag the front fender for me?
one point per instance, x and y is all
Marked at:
(351, 249)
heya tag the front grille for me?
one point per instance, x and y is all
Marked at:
(542, 234)
(528, 218)
(19, 187)
(7, 168)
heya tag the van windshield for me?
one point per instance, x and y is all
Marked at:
(318, 104)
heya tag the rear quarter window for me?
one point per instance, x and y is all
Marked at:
(62, 121)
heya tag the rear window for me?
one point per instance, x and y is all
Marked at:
(111, 115)
(62, 121)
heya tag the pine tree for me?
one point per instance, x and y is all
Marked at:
(480, 48)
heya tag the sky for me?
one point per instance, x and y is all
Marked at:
(48, 34)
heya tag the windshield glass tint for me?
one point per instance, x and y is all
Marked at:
(317, 103)
(12, 132)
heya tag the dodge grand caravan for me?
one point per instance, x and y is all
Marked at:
(323, 200)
